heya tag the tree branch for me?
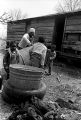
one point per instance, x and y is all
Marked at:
(69, 5)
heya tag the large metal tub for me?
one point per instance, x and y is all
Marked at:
(25, 77)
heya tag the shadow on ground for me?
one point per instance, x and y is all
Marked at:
(68, 69)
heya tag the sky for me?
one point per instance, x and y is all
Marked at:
(32, 8)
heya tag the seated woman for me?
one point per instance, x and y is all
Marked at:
(38, 53)
(11, 57)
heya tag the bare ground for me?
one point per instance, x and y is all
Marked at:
(65, 83)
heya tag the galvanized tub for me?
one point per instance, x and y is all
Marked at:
(25, 77)
(14, 95)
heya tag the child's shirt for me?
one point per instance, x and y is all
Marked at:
(50, 56)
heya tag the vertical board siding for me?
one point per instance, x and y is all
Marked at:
(15, 31)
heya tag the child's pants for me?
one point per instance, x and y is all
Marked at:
(50, 66)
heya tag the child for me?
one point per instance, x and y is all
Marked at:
(51, 55)
(11, 57)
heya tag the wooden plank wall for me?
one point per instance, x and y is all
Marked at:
(73, 24)
(44, 27)
(15, 31)
(72, 33)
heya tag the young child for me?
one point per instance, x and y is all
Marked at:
(11, 57)
(50, 56)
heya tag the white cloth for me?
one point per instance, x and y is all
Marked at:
(24, 57)
(40, 49)
(24, 41)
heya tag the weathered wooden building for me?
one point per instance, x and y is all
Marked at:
(71, 43)
(46, 26)
(61, 30)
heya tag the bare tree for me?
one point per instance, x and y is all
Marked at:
(12, 15)
(68, 5)
(17, 14)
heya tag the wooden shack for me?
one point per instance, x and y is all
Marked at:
(50, 27)
(61, 30)
(71, 43)
(44, 27)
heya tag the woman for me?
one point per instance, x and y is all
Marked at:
(38, 53)
(27, 39)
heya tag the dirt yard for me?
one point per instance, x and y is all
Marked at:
(65, 83)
